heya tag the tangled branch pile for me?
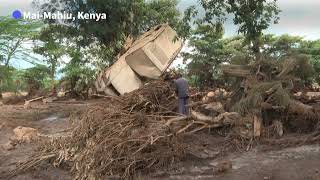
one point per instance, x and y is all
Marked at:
(136, 131)
(140, 131)
(121, 136)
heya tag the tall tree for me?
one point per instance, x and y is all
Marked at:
(78, 73)
(124, 18)
(280, 46)
(5, 78)
(312, 49)
(35, 78)
(14, 34)
(209, 51)
(52, 46)
(251, 16)
(286, 45)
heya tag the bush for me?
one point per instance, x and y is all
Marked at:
(35, 78)
(79, 79)
(7, 80)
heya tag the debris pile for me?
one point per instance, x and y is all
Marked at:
(129, 131)
(140, 131)
(137, 131)
(266, 93)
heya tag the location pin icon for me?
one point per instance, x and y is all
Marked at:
(17, 14)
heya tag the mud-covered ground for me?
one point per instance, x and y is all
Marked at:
(47, 119)
(285, 164)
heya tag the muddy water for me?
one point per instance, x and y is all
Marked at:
(297, 163)
(51, 118)
(8, 158)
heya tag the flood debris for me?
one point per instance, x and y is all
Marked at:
(140, 131)
(147, 57)
(10, 145)
(222, 166)
(27, 104)
(25, 134)
(21, 135)
(267, 92)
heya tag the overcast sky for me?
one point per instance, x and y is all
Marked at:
(298, 17)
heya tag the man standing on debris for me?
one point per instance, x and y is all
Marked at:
(182, 89)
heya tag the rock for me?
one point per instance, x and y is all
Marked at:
(25, 134)
(1, 103)
(61, 94)
(223, 166)
(218, 93)
(8, 146)
(210, 94)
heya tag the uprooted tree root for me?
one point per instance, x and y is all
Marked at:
(311, 138)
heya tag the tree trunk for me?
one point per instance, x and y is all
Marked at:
(53, 70)
(11, 53)
(52, 75)
(6, 64)
(256, 47)
(73, 82)
(1, 89)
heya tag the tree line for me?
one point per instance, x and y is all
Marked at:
(77, 50)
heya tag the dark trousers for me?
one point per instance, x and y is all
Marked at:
(183, 106)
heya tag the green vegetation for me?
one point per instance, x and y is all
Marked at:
(77, 50)
(207, 55)
(78, 74)
(36, 78)
(211, 49)
(7, 78)
(14, 34)
(125, 18)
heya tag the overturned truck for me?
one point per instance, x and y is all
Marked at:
(146, 58)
